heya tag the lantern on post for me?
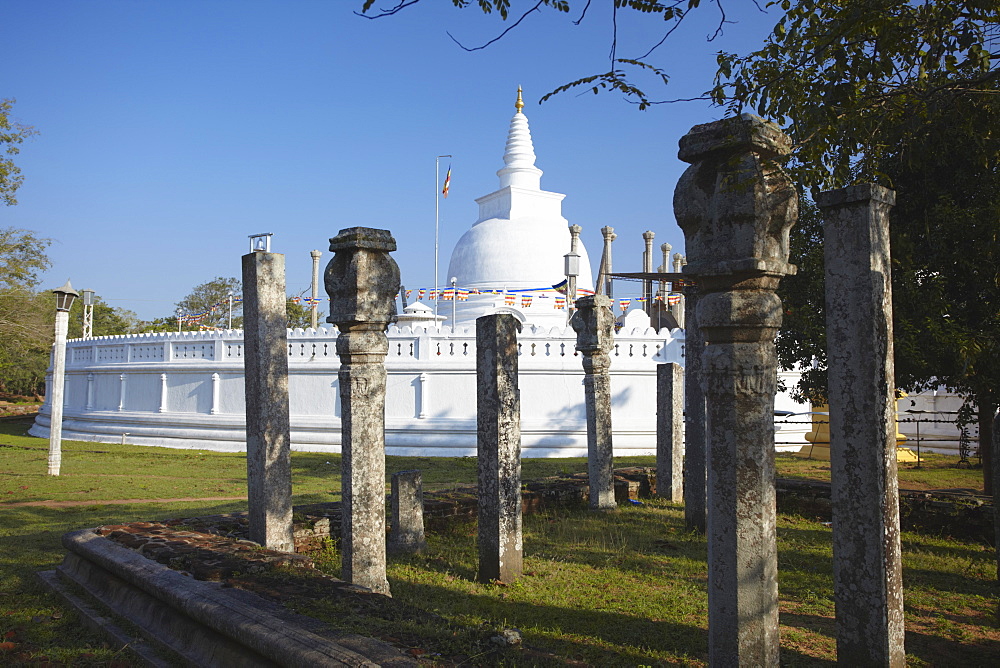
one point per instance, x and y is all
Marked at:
(64, 301)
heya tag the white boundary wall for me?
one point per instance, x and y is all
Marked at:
(185, 390)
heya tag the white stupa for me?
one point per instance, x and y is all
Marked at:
(514, 254)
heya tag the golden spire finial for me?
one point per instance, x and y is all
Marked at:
(519, 105)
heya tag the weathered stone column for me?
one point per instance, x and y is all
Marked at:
(407, 532)
(609, 237)
(664, 268)
(265, 362)
(678, 309)
(867, 578)
(498, 420)
(594, 324)
(669, 431)
(695, 443)
(647, 267)
(996, 480)
(362, 281)
(736, 205)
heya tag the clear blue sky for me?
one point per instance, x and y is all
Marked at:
(169, 131)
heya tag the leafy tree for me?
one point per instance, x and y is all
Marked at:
(164, 324)
(12, 135)
(26, 316)
(846, 77)
(299, 313)
(801, 343)
(108, 320)
(208, 304)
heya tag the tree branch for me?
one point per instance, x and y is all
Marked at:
(498, 37)
(401, 5)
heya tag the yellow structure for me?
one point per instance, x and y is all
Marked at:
(819, 439)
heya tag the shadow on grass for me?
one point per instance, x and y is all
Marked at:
(615, 638)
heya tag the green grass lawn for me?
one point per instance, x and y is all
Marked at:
(619, 588)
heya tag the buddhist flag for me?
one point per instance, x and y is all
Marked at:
(624, 304)
(525, 301)
(562, 287)
(447, 183)
(508, 300)
(560, 302)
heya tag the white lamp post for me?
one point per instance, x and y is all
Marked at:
(454, 302)
(64, 300)
(572, 270)
(88, 314)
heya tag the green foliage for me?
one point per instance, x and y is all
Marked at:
(22, 258)
(108, 320)
(208, 304)
(299, 314)
(844, 76)
(802, 338)
(12, 135)
(26, 315)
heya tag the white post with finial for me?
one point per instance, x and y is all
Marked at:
(437, 228)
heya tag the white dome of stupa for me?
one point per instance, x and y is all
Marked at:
(519, 242)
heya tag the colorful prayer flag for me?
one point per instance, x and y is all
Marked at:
(447, 183)
(623, 304)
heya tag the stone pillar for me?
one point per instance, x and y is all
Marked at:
(407, 532)
(665, 268)
(574, 242)
(996, 480)
(678, 309)
(314, 306)
(647, 266)
(90, 392)
(867, 577)
(669, 436)
(362, 281)
(609, 236)
(265, 364)
(736, 206)
(498, 420)
(695, 443)
(595, 324)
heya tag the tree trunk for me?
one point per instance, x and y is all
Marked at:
(987, 404)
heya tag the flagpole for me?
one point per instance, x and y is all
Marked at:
(437, 226)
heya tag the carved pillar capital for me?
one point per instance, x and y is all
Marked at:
(594, 324)
(362, 279)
